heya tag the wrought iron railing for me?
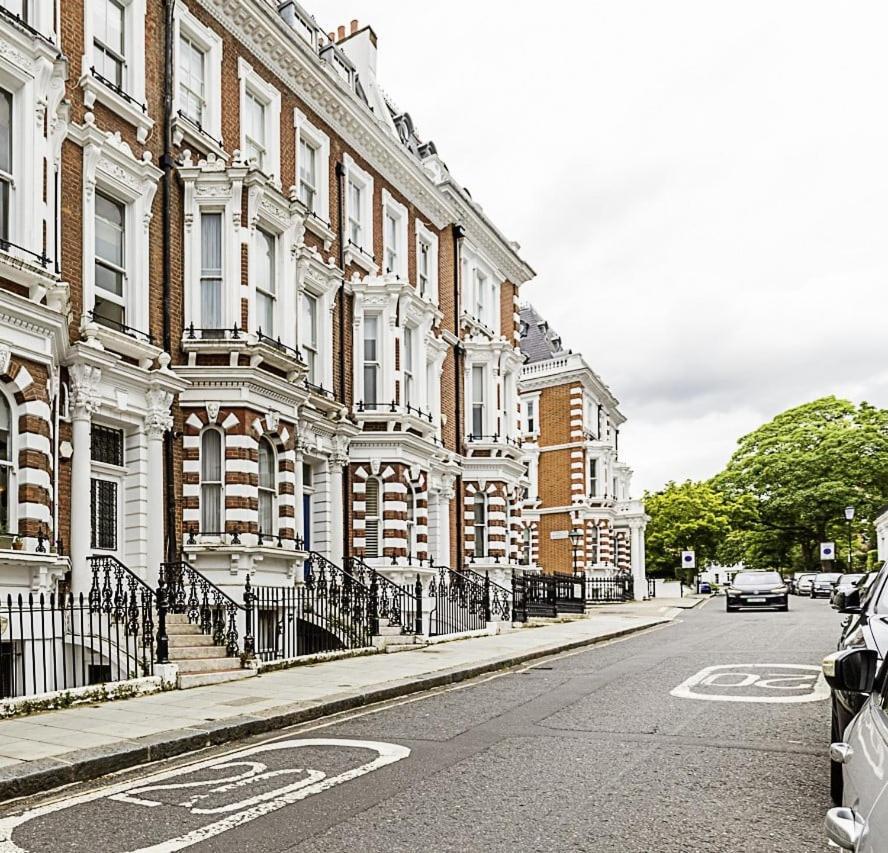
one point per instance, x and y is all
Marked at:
(318, 389)
(329, 611)
(6, 245)
(120, 91)
(198, 127)
(278, 344)
(519, 597)
(495, 438)
(233, 537)
(397, 604)
(459, 603)
(184, 590)
(117, 326)
(499, 599)
(63, 641)
(605, 590)
(196, 333)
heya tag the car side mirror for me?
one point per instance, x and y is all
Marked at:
(848, 602)
(852, 670)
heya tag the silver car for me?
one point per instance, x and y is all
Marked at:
(860, 824)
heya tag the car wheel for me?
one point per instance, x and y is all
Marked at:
(730, 609)
(836, 778)
(784, 607)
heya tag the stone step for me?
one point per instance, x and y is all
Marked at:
(178, 653)
(201, 679)
(179, 640)
(389, 631)
(405, 647)
(189, 666)
(183, 628)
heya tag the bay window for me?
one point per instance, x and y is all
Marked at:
(371, 362)
(267, 488)
(192, 80)
(7, 462)
(264, 276)
(409, 366)
(310, 336)
(6, 180)
(211, 493)
(479, 379)
(110, 261)
(109, 41)
(480, 524)
(211, 270)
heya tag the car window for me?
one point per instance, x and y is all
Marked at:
(828, 576)
(874, 600)
(753, 578)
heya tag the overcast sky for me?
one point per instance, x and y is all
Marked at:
(702, 188)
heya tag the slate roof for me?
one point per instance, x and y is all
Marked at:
(539, 342)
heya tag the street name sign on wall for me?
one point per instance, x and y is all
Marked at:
(688, 560)
(827, 550)
(558, 534)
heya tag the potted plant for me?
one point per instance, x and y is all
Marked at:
(17, 543)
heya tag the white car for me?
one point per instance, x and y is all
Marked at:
(804, 584)
(860, 824)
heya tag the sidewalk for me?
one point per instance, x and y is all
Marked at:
(54, 748)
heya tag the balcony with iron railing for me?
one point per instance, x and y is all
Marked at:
(399, 417)
(494, 445)
(117, 336)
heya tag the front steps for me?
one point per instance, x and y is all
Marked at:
(200, 662)
(390, 639)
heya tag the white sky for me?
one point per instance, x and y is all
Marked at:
(702, 188)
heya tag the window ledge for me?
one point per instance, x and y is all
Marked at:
(283, 357)
(94, 90)
(398, 420)
(320, 229)
(358, 257)
(101, 337)
(185, 130)
(473, 324)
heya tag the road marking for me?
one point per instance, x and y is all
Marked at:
(244, 811)
(748, 676)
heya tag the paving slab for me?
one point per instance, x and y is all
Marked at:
(57, 747)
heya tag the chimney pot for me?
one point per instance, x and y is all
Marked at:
(354, 25)
(331, 37)
(341, 31)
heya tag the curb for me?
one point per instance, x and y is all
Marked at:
(83, 765)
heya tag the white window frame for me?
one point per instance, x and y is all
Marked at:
(11, 464)
(218, 483)
(479, 402)
(110, 167)
(273, 491)
(428, 237)
(116, 474)
(410, 531)
(270, 97)
(377, 363)
(210, 43)
(474, 264)
(377, 519)
(134, 55)
(321, 282)
(122, 300)
(258, 246)
(409, 373)
(361, 252)
(397, 212)
(593, 483)
(482, 552)
(320, 142)
(311, 344)
(527, 404)
(220, 324)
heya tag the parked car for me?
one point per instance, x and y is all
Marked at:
(794, 579)
(757, 589)
(804, 582)
(859, 822)
(865, 606)
(823, 583)
(846, 584)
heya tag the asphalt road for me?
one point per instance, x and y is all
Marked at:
(633, 746)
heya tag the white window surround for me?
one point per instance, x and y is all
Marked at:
(398, 214)
(39, 15)
(473, 265)
(265, 93)
(362, 254)
(110, 167)
(210, 42)
(428, 237)
(593, 485)
(319, 282)
(319, 224)
(134, 83)
(11, 464)
(488, 396)
(528, 400)
(210, 484)
(210, 188)
(269, 211)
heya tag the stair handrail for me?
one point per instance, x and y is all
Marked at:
(119, 600)
(389, 596)
(498, 597)
(183, 589)
(346, 580)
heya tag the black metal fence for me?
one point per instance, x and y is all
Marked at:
(459, 603)
(652, 587)
(570, 594)
(62, 641)
(331, 611)
(608, 590)
(397, 604)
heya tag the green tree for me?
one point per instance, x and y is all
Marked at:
(690, 515)
(801, 470)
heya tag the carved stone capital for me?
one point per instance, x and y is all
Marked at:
(84, 382)
(158, 418)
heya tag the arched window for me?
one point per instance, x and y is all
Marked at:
(7, 462)
(371, 519)
(211, 492)
(480, 523)
(267, 488)
(411, 519)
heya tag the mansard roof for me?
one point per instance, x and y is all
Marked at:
(539, 342)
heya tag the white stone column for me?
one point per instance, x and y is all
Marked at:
(338, 458)
(300, 501)
(637, 560)
(84, 380)
(157, 421)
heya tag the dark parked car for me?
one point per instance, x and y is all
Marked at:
(822, 586)
(757, 589)
(865, 628)
(846, 584)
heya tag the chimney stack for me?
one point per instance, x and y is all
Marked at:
(354, 26)
(332, 37)
(341, 33)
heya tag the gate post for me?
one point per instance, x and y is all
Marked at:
(418, 591)
(551, 593)
(486, 596)
(374, 605)
(163, 642)
(249, 642)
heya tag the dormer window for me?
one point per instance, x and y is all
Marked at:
(109, 45)
(523, 329)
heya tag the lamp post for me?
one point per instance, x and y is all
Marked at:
(575, 535)
(849, 517)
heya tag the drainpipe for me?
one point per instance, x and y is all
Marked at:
(346, 474)
(458, 352)
(166, 162)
